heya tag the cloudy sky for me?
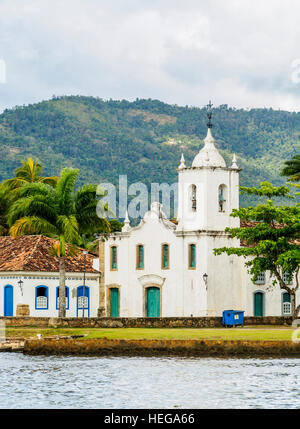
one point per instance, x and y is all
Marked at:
(245, 53)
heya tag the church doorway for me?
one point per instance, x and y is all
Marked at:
(153, 302)
(114, 302)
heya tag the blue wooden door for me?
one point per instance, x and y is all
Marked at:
(8, 301)
(114, 302)
(153, 302)
(258, 304)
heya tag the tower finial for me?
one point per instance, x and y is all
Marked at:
(126, 226)
(182, 162)
(209, 114)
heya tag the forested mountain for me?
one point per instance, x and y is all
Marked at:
(143, 139)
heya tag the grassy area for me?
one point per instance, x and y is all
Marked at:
(245, 333)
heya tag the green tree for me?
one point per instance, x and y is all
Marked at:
(292, 169)
(59, 212)
(269, 243)
(29, 172)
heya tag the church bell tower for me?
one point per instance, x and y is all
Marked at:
(208, 191)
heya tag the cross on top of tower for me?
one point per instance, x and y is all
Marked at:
(209, 114)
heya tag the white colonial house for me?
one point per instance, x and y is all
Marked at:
(167, 268)
(29, 279)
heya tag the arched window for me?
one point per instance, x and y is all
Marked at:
(193, 198)
(67, 298)
(286, 304)
(41, 298)
(222, 198)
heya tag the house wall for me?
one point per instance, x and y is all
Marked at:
(272, 295)
(50, 280)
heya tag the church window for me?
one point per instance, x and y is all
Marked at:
(193, 198)
(192, 256)
(222, 198)
(165, 256)
(140, 257)
(114, 258)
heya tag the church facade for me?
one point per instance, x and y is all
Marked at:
(162, 268)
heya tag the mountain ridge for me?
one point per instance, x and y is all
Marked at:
(143, 139)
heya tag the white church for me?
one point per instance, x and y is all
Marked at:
(164, 268)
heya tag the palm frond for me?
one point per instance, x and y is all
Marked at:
(52, 180)
(13, 184)
(30, 170)
(68, 227)
(3, 230)
(32, 225)
(36, 205)
(65, 189)
(37, 188)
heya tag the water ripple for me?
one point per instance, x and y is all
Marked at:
(120, 382)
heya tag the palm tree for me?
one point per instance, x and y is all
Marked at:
(59, 212)
(4, 204)
(29, 172)
(292, 169)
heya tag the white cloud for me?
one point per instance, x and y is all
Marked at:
(233, 52)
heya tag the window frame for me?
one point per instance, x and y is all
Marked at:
(112, 258)
(190, 266)
(138, 246)
(222, 188)
(259, 281)
(163, 267)
(47, 296)
(286, 302)
(87, 295)
(193, 192)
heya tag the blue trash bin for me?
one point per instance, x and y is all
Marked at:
(233, 318)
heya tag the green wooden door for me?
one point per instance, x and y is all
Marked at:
(114, 302)
(153, 302)
(258, 304)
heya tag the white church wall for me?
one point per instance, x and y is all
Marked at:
(207, 215)
(151, 234)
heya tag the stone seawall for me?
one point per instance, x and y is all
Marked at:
(139, 322)
(204, 348)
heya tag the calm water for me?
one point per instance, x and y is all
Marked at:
(118, 382)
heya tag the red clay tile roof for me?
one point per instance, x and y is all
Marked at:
(251, 224)
(31, 253)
